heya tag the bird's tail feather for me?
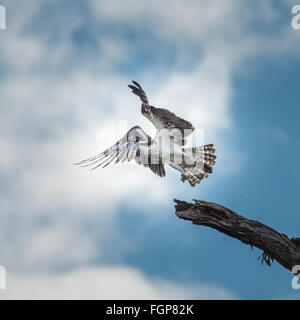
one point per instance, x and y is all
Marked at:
(203, 153)
(201, 161)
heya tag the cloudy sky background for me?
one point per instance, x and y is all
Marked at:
(230, 67)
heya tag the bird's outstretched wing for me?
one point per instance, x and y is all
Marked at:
(163, 118)
(137, 90)
(133, 146)
(122, 150)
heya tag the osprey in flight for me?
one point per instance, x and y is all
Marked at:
(167, 147)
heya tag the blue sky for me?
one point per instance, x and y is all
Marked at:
(232, 69)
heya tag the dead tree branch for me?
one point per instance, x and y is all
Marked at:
(253, 233)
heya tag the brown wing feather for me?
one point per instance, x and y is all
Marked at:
(169, 119)
(163, 118)
(137, 90)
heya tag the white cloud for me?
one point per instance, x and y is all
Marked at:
(104, 283)
(177, 20)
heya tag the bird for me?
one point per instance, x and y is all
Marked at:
(167, 147)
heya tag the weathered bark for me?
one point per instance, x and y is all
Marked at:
(250, 232)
